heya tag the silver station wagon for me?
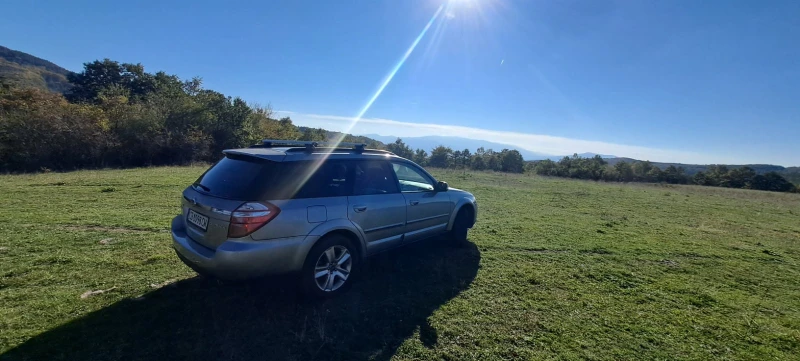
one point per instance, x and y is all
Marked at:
(311, 209)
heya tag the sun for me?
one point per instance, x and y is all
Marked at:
(463, 3)
(469, 8)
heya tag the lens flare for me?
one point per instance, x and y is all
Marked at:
(391, 74)
(319, 161)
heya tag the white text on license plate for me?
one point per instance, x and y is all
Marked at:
(197, 219)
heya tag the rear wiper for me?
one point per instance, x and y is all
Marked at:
(198, 185)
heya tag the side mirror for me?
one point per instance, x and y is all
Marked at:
(441, 187)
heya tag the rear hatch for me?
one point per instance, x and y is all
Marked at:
(208, 203)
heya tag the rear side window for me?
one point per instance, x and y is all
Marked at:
(328, 179)
(250, 178)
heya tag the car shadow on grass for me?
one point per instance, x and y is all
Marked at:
(266, 320)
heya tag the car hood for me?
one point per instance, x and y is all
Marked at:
(460, 193)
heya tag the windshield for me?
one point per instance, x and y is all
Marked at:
(237, 178)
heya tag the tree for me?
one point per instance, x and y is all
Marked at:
(400, 149)
(740, 177)
(441, 157)
(492, 161)
(512, 161)
(772, 181)
(477, 162)
(717, 175)
(595, 167)
(546, 167)
(116, 114)
(264, 127)
(466, 158)
(313, 135)
(625, 171)
(641, 171)
(421, 157)
(655, 175)
(41, 129)
(700, 178)
(457, 159)
(98, 76)
(674, 175)
(610, 174)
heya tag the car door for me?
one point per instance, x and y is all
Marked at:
(427, 211)
(376, 205)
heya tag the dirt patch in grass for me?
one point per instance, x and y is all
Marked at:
(90, 228)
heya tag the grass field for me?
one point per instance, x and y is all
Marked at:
(557, 269)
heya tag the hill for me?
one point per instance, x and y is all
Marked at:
(27, 71)
(349, 138)
(792, 174)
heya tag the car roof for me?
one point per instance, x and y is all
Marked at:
(289, 154)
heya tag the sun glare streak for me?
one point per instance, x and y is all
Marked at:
(430, 52)
(393, 72)
(320, 161)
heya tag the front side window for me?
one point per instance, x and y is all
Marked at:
(373, 177)
(411, 179)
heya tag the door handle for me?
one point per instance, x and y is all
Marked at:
(414, 203)
(359, 209)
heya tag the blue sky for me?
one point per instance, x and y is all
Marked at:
(684, 80)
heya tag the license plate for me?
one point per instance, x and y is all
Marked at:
(197, 219)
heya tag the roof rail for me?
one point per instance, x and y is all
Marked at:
(309, 145)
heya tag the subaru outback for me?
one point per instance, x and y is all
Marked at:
(313, 210)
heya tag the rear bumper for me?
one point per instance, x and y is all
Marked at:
(242, 259)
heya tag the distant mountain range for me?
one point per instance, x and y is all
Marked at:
(582, 155)
(27, 71)
(457, 143)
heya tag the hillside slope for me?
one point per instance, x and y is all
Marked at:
(24, 70)
(791, 174)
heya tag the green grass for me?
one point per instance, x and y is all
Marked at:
(557, 269)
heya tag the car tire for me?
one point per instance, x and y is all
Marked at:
(330, 267)
(458, 235)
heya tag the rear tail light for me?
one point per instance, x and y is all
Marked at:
(249, 217)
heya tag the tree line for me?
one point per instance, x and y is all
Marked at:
(506, 160)
(118, 115)
(596, 168)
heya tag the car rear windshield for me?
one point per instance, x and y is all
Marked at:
(236, 178)
(250, 178)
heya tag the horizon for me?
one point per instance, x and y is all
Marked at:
(679, 82)
(554, 146)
